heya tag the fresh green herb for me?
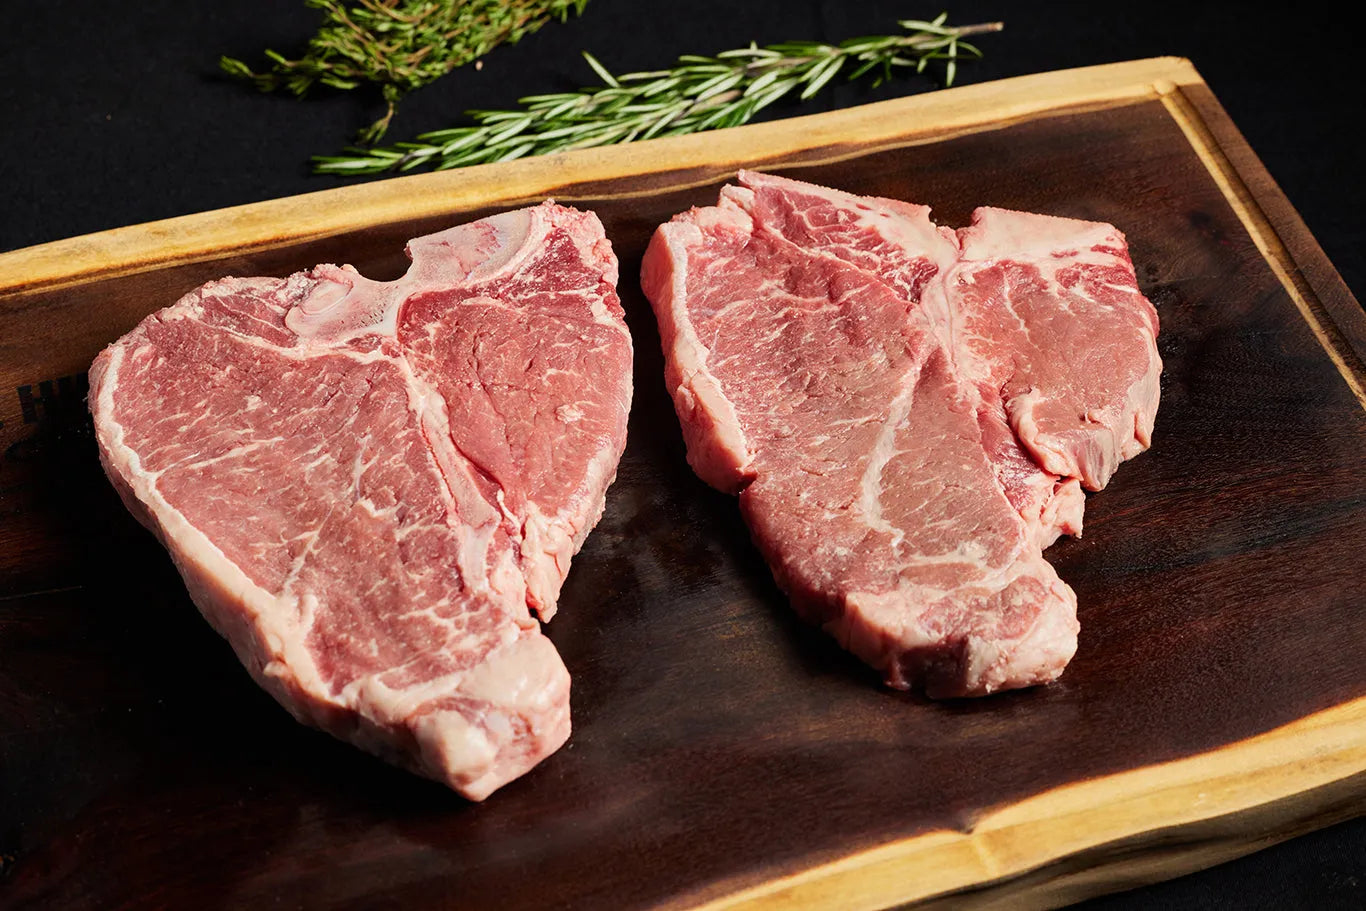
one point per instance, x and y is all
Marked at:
(699, 93)
(399, 45)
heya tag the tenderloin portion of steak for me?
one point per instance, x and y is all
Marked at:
(1049, 314)
(368, 486)
(826, 367)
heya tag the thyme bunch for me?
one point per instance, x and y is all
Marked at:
(398, 45)
(698, 93)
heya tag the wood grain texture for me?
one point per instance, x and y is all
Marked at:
(723, 754)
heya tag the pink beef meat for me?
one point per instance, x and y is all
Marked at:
(1050, 316)
(369, 486)
(826, 365)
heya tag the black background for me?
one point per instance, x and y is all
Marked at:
(113, 114)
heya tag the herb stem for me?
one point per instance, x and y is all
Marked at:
(698, 93)
(399, 45)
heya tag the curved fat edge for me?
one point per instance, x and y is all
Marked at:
(717, 447)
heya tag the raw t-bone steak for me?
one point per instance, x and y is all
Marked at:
(908, 413)
(368, 486)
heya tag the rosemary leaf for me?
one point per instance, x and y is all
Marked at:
(601, 70)
(820, 76)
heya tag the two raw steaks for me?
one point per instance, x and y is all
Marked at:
(367, 487)
(908, 413)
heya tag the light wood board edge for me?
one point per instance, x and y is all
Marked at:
(1308, 754)
(1163, 854)
(330, 212)
(1342, 309)
(1264, 235)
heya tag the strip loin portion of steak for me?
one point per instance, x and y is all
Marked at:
(367, 486)
(827, 364)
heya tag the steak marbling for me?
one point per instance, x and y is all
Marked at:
(368, 486)
(907, 413)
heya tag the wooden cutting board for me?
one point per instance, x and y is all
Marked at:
(724, 755)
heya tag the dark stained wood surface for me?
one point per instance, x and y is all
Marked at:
(717, 742)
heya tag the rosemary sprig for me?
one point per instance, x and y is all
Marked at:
(699, 93)
(399, 45)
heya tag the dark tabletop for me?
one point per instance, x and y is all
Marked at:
(113, 114)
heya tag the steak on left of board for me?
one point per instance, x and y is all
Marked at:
(368, 487)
